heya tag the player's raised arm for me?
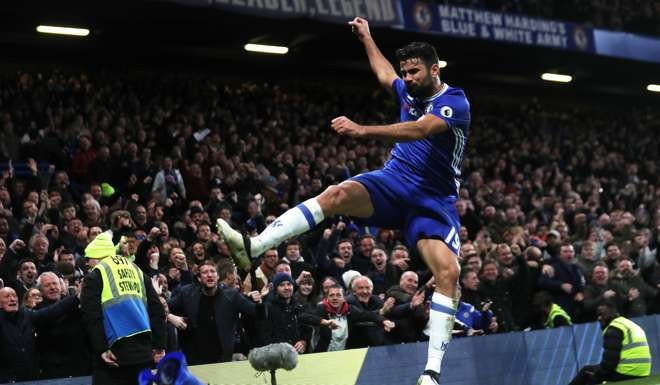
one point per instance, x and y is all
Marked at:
(381, 67)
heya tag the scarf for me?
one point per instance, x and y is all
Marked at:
(334, 312)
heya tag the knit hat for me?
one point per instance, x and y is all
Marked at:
(349, 276)
(100, 247)
(281, 277)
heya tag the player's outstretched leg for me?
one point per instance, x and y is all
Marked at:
(444, 265)
(348, 198)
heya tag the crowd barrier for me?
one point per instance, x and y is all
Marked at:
(542, 357)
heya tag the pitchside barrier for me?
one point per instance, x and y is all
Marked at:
(542, 357)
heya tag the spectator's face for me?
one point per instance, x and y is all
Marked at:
(62, 180)
(461, 207)
(471, 281)
(55, 198)
(378, 258)
(40, 247)
(408, 282)
(225, 214)
(567, 254)
(641, 240)
(285, 290)
(50, 287)
(490, 272)
(474, 263)
(463, 233)
(68, 258)
(589, 251)
(417, 77)
(283, 268)
(600, 275)
(208, 276)
(345, 250)
(306, 288)
(28, 272)
(625, 266)
(93, 231)
(326, 286)
(8, 300)
(33, 298)
(5, 197)
(29, 209)
(4, 226)
(366, 245)
(74, 226)
(270, 258)
(613, 252)
(141, 214)
(69, 213)
(362, 289)
(96, 191)
(399, 254)
(204, 233)
(90, 211)
(198, 250)
(293, 252)
(336, 297)
(504, 256)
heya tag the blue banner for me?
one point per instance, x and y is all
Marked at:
(495, 26)
(378, 12)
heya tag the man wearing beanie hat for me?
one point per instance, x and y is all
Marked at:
(122, 313)
(284, 318)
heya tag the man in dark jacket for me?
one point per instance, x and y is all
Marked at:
(18, 355)
(567, 284)
(63, 350)
(212, 316)
(284, 319)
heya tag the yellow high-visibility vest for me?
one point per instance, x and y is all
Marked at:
(635, 357)
(123, 299)
(556, 310)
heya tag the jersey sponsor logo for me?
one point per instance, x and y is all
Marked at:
(446, 111)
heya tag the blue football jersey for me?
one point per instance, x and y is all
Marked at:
(433, 162)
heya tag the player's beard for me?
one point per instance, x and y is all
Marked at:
(423, 90)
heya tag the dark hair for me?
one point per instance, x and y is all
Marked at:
(418, 50)
(225, 268)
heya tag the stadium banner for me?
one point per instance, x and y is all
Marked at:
(420, 16)
(378, 12)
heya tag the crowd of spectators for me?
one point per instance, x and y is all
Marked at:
(559, 205)
(637, 16)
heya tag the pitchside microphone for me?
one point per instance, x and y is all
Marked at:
(272, 357)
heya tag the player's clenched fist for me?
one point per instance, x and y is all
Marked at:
(360, 27)
(344, 126)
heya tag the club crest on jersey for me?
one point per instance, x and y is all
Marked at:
(414, 112)
(446, 111)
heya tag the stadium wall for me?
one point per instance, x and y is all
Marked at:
(542, 357)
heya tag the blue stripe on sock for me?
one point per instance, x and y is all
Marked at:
(308, 215)
(443, 309)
